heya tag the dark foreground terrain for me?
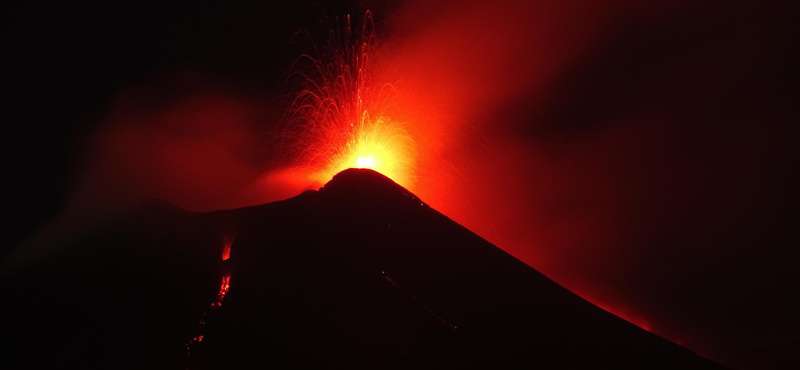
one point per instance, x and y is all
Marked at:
(358, 274)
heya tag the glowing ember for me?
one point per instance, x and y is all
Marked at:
(224, 287)
(223, 291)
(340, 117)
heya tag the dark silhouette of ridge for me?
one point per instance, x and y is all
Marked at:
(361, 273)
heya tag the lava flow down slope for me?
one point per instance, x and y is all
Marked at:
(360, 273)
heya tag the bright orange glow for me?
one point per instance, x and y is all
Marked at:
(365, 162)
(377, 145)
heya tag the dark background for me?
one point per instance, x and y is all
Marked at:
(65, 65)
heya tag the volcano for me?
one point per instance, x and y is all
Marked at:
(360, 273)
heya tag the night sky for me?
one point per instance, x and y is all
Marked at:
(642, 155)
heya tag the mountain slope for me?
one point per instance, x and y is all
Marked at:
(360, 274)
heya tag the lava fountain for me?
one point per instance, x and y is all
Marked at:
(340, 114)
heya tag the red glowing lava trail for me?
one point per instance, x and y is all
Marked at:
(226, 248)
(224, 287)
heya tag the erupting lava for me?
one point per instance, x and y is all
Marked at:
(376, 145)
(340, 117)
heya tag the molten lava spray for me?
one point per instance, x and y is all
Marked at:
(341, 115)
